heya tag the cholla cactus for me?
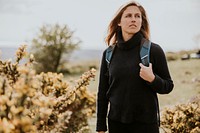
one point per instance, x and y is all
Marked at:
(31, 102)
(183, 118)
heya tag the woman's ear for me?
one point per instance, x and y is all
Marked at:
(119, 24)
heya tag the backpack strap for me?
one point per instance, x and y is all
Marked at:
(109, 53)
(145, 58)
(145, 51)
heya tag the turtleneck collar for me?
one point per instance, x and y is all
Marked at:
(131, 43)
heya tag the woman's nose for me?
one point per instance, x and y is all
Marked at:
(133, 19)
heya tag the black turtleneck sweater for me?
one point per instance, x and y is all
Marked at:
(131, 98)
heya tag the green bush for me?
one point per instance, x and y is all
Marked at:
(53, 47)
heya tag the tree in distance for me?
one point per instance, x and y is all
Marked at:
(52, 47)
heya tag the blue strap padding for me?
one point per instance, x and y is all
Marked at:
(109, 52)
(145, 52)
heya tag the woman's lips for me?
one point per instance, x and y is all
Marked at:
(132, 25)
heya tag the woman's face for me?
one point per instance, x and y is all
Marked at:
(131, 21)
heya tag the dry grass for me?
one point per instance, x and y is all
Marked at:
(186, 77)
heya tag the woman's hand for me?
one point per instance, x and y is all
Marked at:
(146, 73)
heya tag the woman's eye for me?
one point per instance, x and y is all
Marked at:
(128, 16)
(138, 16)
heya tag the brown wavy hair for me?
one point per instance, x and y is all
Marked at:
(113, 27)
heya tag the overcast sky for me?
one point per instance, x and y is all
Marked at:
(174, 23)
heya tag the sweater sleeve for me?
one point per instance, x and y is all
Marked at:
(102, 101)
(162, 83)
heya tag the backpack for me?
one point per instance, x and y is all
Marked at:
(144, 52)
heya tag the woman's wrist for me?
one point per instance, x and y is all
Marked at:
(152, 78)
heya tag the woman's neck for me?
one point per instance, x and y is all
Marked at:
(133, 42)
(127, 36)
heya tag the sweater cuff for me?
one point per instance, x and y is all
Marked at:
(156, 83)
(153, 82)
(101, 125)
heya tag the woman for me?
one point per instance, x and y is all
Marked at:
(130, 87)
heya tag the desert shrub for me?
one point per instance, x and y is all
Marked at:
(44, 102)
(182, 118)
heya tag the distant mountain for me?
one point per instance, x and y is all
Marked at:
(82, 54)
(86, 54)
